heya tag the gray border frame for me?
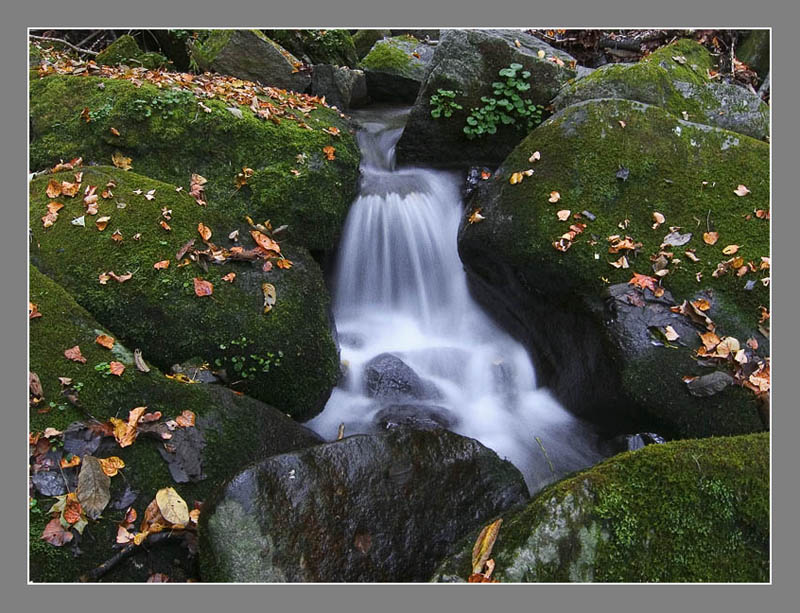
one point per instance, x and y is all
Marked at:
(18, 596)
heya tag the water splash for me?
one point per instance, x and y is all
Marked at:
(400, 288)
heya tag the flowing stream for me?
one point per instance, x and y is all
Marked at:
(400, 288)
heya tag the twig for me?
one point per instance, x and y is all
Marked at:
(63, 42)
(546, 457)
(127, 551)
(90, 37)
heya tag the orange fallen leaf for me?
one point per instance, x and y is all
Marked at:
(85, 114)
(730, 249)
(111, 465)
(265, 242)
(165, 225)
(70, 189)
(701, 304)
(284, 263)
(120, 161)
(554, 197)
(120, 278)
(115, 132)
(161, 265)
(73, 461)
(516, 178)
(117, 368)
(55, 534)
(53, 189)
(102, 222)
(33, 311)
(710, 340)
(329, 152)
(475, 217)
(710, 237)
(74, 354)
(105, 341)
(643, 281)
(185, 419)
(229, 277)
(204, 231)
(203, 288)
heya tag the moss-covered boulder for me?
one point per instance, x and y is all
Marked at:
(367, 508)
(687, 511)
(125, 50)
(395, 68)
(676, 78)
(230, 431)
(318, 46)
(171, 133)
(468, 62)
(286, 356)
(365, 39)
(248, 54)
(754, 51)
(610, 165)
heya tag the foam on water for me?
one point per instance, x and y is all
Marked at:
(400, 288)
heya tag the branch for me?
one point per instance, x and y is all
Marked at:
(127, 551)
(63, 42)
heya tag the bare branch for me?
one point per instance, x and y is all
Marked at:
(63, 42)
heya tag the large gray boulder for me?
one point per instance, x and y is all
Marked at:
(676, 78)
(250, 55)
(395, 68)
(342, 87)
(686, 511)
(384, 507)
(468, 62)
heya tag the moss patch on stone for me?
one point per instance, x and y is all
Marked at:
(169, 137)
(286, 357)
(392, 55)
(686, 511)
(237, 429)
(319, 46)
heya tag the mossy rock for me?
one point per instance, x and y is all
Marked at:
(395, 68)
(250, 55)
(365, 39)
(559, 300)
(681, 86)
(686, 511)
(169, 137)
(468, 62)
(236, 430)
(318, 46)
(286, 357)
(125, 50)
(754, 51)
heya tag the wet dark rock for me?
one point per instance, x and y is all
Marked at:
(49, 483)
(395, 68)
(342, 87)
(183, 453)
(417, 416)
(383, 507)
(630, 442)
(79, 440)
(390, 378)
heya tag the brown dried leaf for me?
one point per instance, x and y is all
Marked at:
(230, 277)
(730, 249)
(203, 288)
(161, 265)
(270, 296)
(483, 545)
(265, 242)
(117, 368)
(120, 161)
(554, 197)
(105, 341)
(204, 231)
(710, 237)
(33, 311)
(186, 419)
(112, 465)
(74, 354)
(55, 534)
(94, 487)
(139, 361)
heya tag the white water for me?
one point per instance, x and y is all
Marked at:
(400, 288)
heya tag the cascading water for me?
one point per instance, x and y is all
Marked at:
(400, 289)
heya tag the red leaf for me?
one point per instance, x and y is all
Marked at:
(203, 288)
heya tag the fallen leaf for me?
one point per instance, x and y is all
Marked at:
(265, 242)
(620, 263)
(203, 288)
(563, 215)
(484, 544)
(173, 508)
(658, 218)
(329, 152)
(114, 131)
(709, 339)
(554, 197)
(85, 114)
(185, 419)
(161, 265)
(730, 249)
(643, 281)
(117, 368)
(139, 361)
(102, 222)
(105, 341)
(111, 465)
(752, 343)
(79, 221)
(70, 189)
(516, 178)
(158, 578)
(103, 278)
(53, 189)
(74, 460)
(123, 535)
(284, 263)
(116, 236)
(74, 354)
(33, 311)
(55, 534)
(125, 433)
(690, 254)
(120, 161)
(540, 54)
(120, 278)
(229, 277)
(204, 231)
(621, 123)
(710, 237)
(94, 487)
(701, 304)
(476, 217)
(151, 194)
(741, 190)
(270, 296)
(165, 225)
(242, 177)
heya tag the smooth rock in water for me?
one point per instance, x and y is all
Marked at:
(417, 416)
(370, 508)
(468, 62)
(682, 88)
(589, 330)
(249, 54)
(395, 68)
(685, 511)
(389, 378)
(342, 87)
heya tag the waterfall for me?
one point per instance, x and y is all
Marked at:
(400, 288)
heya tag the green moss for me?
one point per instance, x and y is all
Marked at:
(120, 51)
(169, 137)
(686, 511)
(319, 46)
(698, 60)
(389, 56)
(234, 426)
(365, 39)
(207, 45)
(754, 51)
(294, 337)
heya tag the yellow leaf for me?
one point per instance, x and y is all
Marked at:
(120, 161)
(111, 465)
(172, 506)
(269, 296)
(516, 178)
(730, 249)
(483, 545)
(710, 237)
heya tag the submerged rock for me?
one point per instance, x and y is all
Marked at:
(230, 432)
(250, 55)
(388, 378)
(417, 416)
(681, 86)
(395, 68)
(593, 336)
(468, 62)
(286, 357)
(687, 511)
(383, 507)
